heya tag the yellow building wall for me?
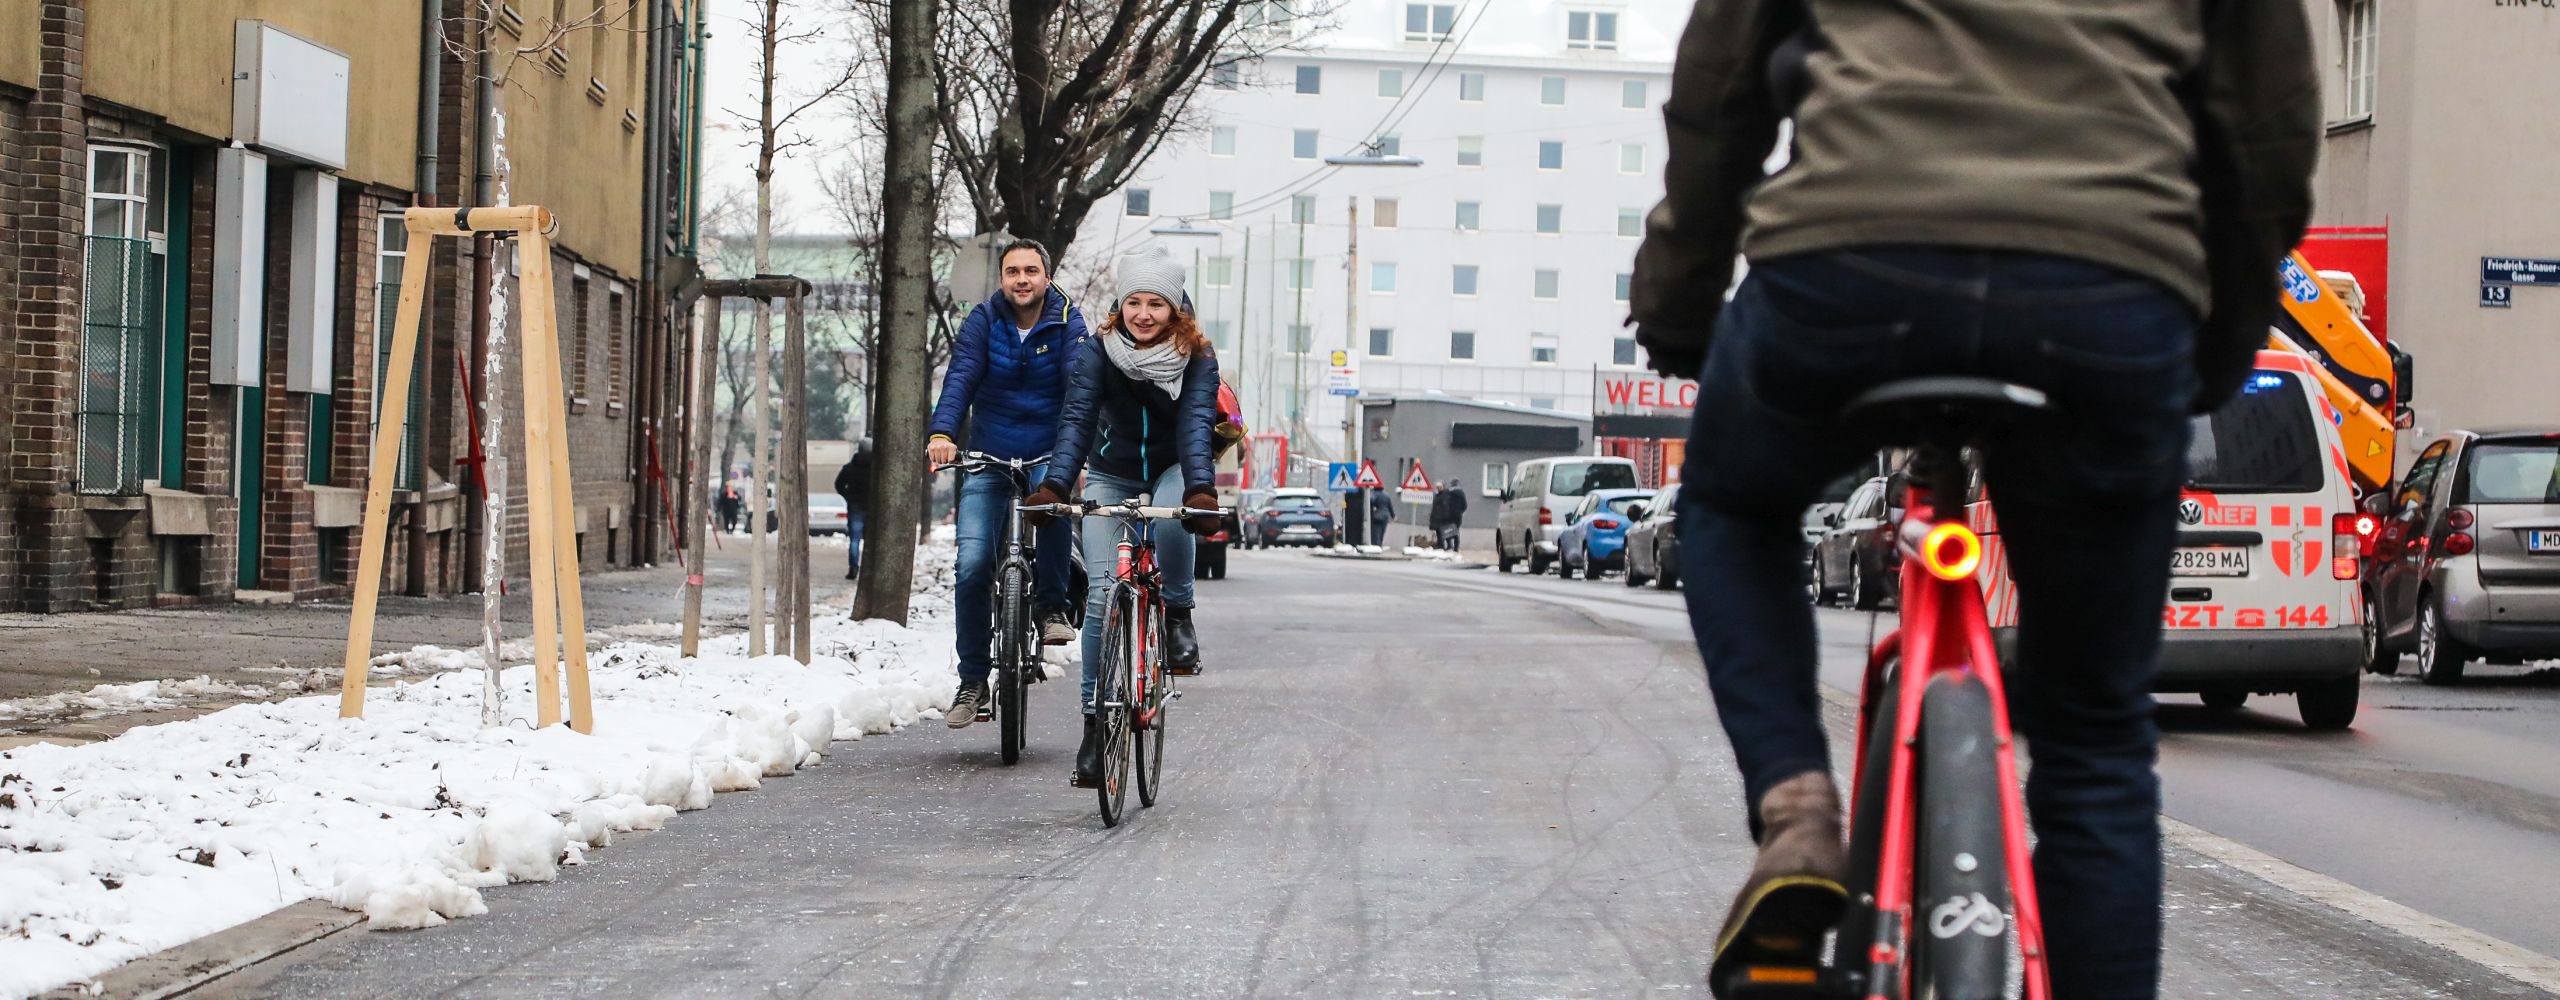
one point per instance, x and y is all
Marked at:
(18, 42)
(571, 154)
(175, 59)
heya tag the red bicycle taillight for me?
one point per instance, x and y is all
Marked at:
(2348, 538)
(2459, 543)
(1546, 517)
(1951, 552)
(1605, 525)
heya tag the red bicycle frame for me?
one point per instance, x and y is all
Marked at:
(1945, 631)
(1136, 566)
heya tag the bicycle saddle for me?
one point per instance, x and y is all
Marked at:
(1943, 409)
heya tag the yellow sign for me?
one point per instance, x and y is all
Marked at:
(1341, 358)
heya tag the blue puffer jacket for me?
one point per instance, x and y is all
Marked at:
(1009, 387)
(1135, 430)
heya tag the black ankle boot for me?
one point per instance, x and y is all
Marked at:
(1089, 754)
(1181, 642)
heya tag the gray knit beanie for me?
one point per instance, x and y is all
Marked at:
(1150, 269)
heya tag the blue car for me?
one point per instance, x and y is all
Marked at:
(1595, 534)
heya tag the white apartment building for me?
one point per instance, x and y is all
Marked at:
(1496, 269)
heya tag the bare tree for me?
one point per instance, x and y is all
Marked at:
(907, 226)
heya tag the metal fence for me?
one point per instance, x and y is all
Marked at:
(122, 305)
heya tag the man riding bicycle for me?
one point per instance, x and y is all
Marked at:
(2084, 198)
(1008, 377)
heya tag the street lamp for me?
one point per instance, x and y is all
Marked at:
(1370, 154)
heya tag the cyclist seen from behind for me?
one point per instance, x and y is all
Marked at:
(1140, 407)
(2085, 198)
(1007, 380)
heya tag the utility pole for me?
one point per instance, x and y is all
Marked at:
(1244, 316)
(1298, 351)
(907, 244)
(1351, 333)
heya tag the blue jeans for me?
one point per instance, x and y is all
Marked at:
(2086, 510)
(1102, 556)
(853, 539)
(986, 500)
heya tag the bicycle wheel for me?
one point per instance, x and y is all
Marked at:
(1114, 692)
(1960, 913)
(1151, 758)
(1866, 820)
(1016, 657)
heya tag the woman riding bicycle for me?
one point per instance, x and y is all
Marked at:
(1141, 400)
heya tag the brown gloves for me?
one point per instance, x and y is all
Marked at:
(1201, 500)
(1045, 495)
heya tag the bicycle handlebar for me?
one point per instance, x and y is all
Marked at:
(1122, 511)
(972, 461)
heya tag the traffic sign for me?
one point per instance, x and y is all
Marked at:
(1369, 479)
(1342, 377)
(1415, 481)
(1339, 476)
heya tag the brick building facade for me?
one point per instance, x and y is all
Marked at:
(189, 400)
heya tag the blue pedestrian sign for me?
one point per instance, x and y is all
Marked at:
(1340, 477)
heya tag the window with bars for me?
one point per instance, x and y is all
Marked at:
(617, 337)
(123, 279)
(390, 268)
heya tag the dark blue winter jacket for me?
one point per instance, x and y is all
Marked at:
(1135, 430)
(1008, 387)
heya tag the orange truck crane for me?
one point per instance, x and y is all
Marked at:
(2365, 379)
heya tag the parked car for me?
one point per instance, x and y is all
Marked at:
(1248, 512)
(1817, 518)
(1594, 540)
(828, 514)
(2264, 596)
(1295, 516)
(1856, 561)
(1210, 555)
(1653, 542)
(2467, 557)
(1541, 491)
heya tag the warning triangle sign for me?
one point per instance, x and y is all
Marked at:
(1415, 481)
(1341, 478)
(1369, 476)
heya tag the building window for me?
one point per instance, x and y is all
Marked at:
(1462, 345)
(1631, 94)
(391, 264)
(1222, 204)
(1224, 76)
(1429, 22)
(1302, 144)
(1221, 333)
(1542, 348)
(1626, 286)
(1542, 402)
(1470, 86)
(1470, 216)
(1550, 154)
(1622, 351)
(1497, 476)
(1551, 91)
(2357, 31)
(1550, 220)
(1383, 210)
(1544, 283)
(1302, 338)
(1391, 83)
(1302, 274)
(1382, 342)
(1631, 222)
(1222, 141)
(616, 331)
(1471, 151)
(581, 333)
(1311, 79)
(1462, 279)
(1140, 201)
(121, 307)
(1596, 30)
(1631, 157)
(1302, 209)
(1391, 145)
(1382, 278)
(1219, 272)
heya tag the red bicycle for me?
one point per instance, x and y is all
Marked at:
(1132, 691)
(1941, 889)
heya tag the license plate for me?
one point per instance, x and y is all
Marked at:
(2214, 560)
(2542, 541)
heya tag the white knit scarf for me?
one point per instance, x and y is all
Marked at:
(1162, 364)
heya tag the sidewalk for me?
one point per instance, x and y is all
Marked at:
(252, 651)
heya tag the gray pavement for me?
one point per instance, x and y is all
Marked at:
(1394, 780)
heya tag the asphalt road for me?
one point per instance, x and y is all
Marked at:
(1393, 781)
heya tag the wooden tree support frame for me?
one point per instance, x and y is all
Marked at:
(559, 607)
(791, 515)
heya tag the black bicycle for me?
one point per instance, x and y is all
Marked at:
(1016, 646)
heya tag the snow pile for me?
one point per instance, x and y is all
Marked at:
(1432, 555)
(116, 699)
(113, 850)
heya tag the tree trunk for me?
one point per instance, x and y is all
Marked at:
(907, 232)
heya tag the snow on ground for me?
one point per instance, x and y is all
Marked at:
(117, 699)
(1434, 555)
(116, 849)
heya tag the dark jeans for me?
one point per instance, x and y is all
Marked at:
(853, 539)
(986, 503)
(2086, 510)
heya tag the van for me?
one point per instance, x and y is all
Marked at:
(1541, 492)
(2263, 590)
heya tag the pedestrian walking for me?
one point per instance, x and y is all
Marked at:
(733, 506)
(1448, 514)
(1382, 512)
(853, 483)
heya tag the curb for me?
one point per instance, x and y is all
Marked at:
(177, 970)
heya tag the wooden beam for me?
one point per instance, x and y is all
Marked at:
(385, 467)
(541, 382)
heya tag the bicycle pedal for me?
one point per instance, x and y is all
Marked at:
(1772, 981)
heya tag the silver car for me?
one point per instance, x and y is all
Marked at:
(828, 514)
(2467, 563)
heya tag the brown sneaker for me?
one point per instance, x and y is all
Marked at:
(1794, 895)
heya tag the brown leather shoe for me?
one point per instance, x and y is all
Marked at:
(1794, 895)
